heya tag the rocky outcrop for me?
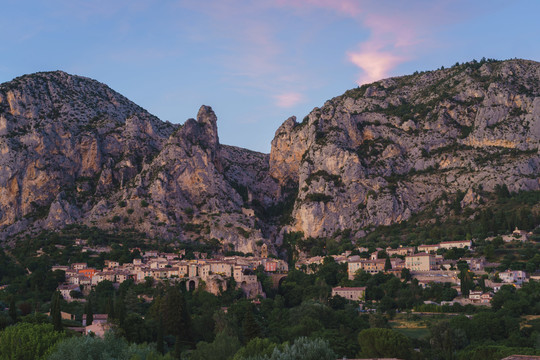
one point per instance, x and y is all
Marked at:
(381, 152)
(75, 151)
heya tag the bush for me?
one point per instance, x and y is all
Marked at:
(111, 347)
(382, 343)
(305, 349)
(318, 197)
(223, 347)
(28, 341)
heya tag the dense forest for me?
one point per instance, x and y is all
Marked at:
(297, 320)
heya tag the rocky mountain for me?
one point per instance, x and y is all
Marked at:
(75, 151)
(379, 153)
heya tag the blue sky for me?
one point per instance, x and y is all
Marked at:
(255, 62)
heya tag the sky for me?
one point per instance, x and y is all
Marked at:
(255, 62)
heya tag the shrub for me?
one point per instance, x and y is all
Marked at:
(28, 341)
(318, 197)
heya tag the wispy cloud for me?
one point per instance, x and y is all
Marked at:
(398, 31)
(257, 56)
(376, 64)
(287, 100)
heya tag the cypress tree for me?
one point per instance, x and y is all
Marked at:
(387, 264)
(13, 309)
(160, 347)
(120, 311)
(110, 308)
(89, 313)
(176, 317)
(55, 311)
(250, 327)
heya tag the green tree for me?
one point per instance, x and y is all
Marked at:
(110, 308)
(250, 327)
(406, 274)
(160, 345)
(120, 311)
(13, 309)
(89, 313)
(387, 263)
(382, 343)
(446, 340)
(176, 318)
(305, 349)
(223, 347)
(111, 347)
(56, 314)
(256, 347)
(26, 341)
(466, 279)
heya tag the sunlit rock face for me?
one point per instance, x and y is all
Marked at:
(380, 153)
(74, 151)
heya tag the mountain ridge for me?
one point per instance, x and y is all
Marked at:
(75, 151)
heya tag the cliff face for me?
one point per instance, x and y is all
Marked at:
(379, 153)
(75, 151)
(67, 140)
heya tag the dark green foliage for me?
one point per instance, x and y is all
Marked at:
(243, 232)
(373, 148)
(517, 111)
(176, 318)
(465, 276)
(38, 211)
(111, 347)
(242, 190)
(56, 311)
(356, 93)
(160, 345)
(304, 349)
(502, 192)
(222, 348)
(319, 197)
(26, 341)
(409, 110)
(489, 352)
(379, 343)
(387, 264)
(446, 340)
(320, 137)
(255, 347)
(89, 312)
(336, 179)
(13, 309)
(290, 240)
(251, 329)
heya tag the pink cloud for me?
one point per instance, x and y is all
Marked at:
(255, 50)
(287, 100)
(375, 64)
(398, 31)
(344, 7)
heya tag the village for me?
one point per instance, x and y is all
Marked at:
(421, 262)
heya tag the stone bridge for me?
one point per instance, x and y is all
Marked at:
(277, 279)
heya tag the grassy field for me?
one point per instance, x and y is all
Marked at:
(417, 333)
(416, 329)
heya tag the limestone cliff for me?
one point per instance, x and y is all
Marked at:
(381, 152)
(75, 151)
